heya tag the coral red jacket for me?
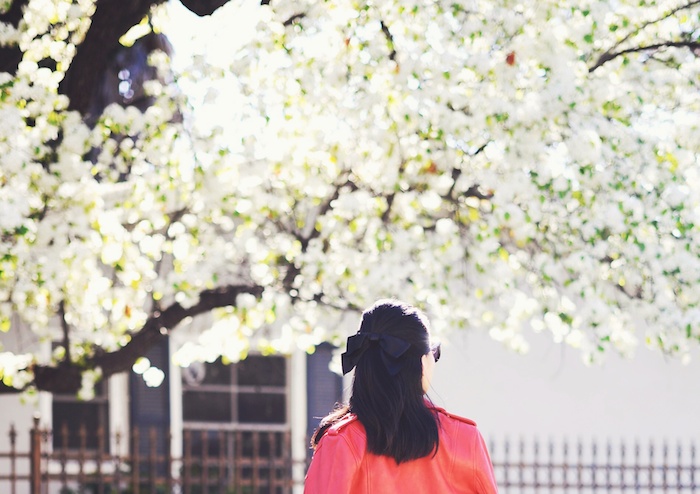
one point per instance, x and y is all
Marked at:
(342, 465)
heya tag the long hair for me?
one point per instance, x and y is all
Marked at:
(392, 408)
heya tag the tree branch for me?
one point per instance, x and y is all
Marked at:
(158, 325)
(607, 56)
(389, 39)
(292, 269)
(610, 54)
(475, 191)
(391, 196)
(457, 172)
(659, 19)
(326, 206)
(6, 390)
(293, 19)
(66, 376)
(66, 331)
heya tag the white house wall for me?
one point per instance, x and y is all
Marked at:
(550, 394)
(15, 409)
(14, 412)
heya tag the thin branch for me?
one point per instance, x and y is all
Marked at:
(292, 269)
(390, 197)
(659, 19)
(464, 109)
(402, 168)
(6, 390)
(293, 19)
(66, 332)
(457, 172)
(346, 307)
(611, 53)
(607, 56)
(390, 40)
(325, 207)
(475, 191)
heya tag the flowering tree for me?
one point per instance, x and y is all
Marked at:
(507, 166)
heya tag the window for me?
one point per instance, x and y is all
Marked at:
(81, 424)
(251, 394)
(235, 422)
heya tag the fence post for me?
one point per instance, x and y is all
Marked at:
(35, 458)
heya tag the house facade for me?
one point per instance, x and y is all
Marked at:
(260, 404)
(548, 395)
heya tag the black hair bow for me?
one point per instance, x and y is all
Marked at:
(392, 350)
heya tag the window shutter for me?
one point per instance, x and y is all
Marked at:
(324, 388)
(150, 407)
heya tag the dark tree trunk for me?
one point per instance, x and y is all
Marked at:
(112, 19)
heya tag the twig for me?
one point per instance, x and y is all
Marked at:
(607, 56)
(611, 54)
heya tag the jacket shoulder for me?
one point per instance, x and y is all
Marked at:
(349, 432)
(451, 416)
(342, 424)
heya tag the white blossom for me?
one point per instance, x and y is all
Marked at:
(474, 162)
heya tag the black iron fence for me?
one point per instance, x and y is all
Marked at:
(595, 467)
(211, 462)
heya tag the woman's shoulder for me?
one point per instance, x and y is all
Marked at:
(444, 415)
(347, 425)
(345, 434)
(462, 443)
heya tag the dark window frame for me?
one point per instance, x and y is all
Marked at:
(235, 391)
(72, 423)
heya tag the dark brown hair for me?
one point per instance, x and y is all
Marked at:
(397, 420)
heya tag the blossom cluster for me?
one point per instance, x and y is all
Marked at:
(470, 157)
